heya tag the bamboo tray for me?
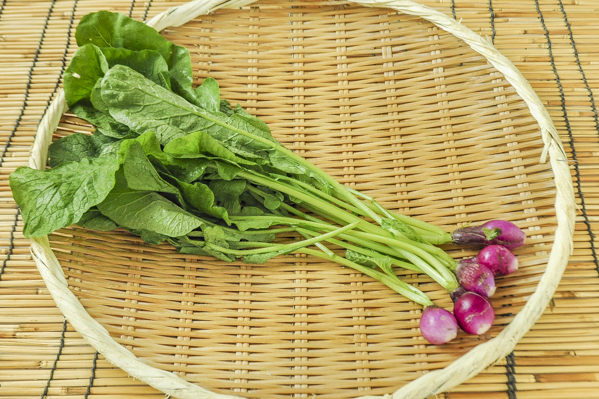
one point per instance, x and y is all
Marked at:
(409, 106)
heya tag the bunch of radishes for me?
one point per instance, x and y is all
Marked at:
(472, 311)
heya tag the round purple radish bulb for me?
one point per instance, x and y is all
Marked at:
(437, 325)
(474, 313)
(494, 232)
(499, 259)
(475, 277)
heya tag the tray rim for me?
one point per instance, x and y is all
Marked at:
(432, 383)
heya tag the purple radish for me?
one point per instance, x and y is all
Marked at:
(494, 232)
(475, 277)
(437, 325)
(499, 259)
(474, 313)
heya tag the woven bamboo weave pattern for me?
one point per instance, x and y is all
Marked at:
(386, 103)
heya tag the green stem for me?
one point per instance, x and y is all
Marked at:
(411, 250)
(427, 228)
(325, 196)
(247, 232)
(364, 251)
(441, 261)
(306, 233)
(331, 255)
(414, 254)
(420, 263)
(332, 217)
(429, 232)
(284, 220)
(423, 228)
(446, 280)
(392, 282)
(442, 256)
(289, 190)
(283, 248)
(436, 240)
(319, 245)
(395, 284)
(334, 213)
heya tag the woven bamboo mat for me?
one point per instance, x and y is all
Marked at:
(552, 42)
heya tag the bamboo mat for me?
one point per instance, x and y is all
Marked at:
(552, 42)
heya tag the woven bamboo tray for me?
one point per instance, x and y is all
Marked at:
(411, 107)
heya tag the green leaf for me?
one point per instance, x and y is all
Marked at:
(403, 228)
(259, 125)
(83, 82)
(225, 107)
(315, 182)
(59, 197)
(188, 170)
(271, 202)
(147, 62)
(227, 194)
(260, 259)
(143, 105)
(199, 196)
(151, 147)
(82, 176)
(106, 124)
(253, 205)
(227, 171)
(200, 144)
(195, 250)
(283, 162)
(181, 74)
(77, 146)
(146, 210)
(381, 261)
(234, 235)
(90, 63)
(208, 95)
(491, 234)
(150, 237)
(86, 67)
(215, 235)
(286, 164)
(94, 220)
(269, 199)
(98, 103)
(187, 246)
(107, 29)
(140, 173)
(255, 223)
